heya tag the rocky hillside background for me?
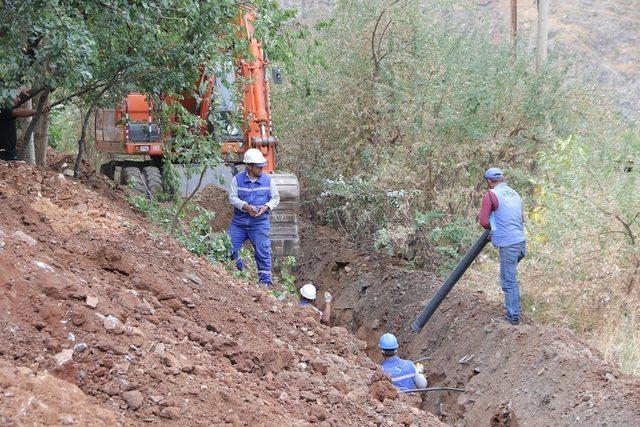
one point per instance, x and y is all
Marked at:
(598, 40)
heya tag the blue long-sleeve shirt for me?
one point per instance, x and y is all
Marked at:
(238, 203)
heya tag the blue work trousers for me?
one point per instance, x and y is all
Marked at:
(510, 256)
(257, 232)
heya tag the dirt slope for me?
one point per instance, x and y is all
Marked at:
(534, 374)
(104, 320)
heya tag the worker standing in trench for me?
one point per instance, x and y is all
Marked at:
(307, 299)
(253, 195)
(404, 373)
(502, 213)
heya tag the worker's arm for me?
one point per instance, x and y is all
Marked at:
(234, 200)
(325, 319)
(420, 380)
(27, 112)
(489, 204)
(274, 201)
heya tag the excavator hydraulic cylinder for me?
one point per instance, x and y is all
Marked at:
(453, 278)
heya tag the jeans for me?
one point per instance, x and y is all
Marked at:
(510, 256)
(258, 233)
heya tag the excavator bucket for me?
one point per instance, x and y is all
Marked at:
(285, 240)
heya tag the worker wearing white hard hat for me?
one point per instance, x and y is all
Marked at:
(253, 195)
(308, 297)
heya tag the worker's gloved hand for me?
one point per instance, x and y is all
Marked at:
(262, 210)
(420, 368)
(327, 297)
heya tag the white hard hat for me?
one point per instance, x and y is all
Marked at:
(308, 291)
(254, 156)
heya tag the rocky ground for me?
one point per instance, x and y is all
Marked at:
(527, 374)
(104, 320)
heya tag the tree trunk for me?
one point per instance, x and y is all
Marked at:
(27, 152)
(543, 32)
(514, 19)
(41, 138)
(85, 124)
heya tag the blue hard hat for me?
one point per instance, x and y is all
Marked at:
(493, 173)
(388, 342)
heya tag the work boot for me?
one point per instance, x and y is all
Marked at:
(505, 319)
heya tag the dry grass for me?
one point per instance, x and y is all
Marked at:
(596, 308)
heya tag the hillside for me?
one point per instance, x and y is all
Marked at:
(105, 320)
(600, 40)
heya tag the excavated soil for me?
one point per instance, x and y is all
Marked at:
(105, 320)
(526, 374)
(216, 200)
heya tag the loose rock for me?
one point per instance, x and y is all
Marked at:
(64, 357)
(91, 301)
(20, 236)
(134, 399)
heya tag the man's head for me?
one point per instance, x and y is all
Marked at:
(254, 161)
(494, 176)
(308, 292)
(388, 344)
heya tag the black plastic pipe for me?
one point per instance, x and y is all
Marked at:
(426, 390)
(453, 278)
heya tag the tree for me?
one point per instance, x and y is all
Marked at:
(543, 33)
(94, 51)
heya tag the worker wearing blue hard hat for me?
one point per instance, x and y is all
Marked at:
(502, 213)
(493, 173)
(404, 373)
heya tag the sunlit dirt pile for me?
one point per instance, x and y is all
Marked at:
(217, 201)
(105, 320)
(526, 374)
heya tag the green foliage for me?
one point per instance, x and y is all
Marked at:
(285, 283)
(450, 242)
(360, 203)
(593, 188)
(417, 99)
(194, 231)
(63, 129)
(91, 53)
(153, 46)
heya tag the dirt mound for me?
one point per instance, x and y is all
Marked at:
(105, 320)
(529, 373)
(216, 200)
(41, 398)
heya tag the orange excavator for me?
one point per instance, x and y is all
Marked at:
(133, 143)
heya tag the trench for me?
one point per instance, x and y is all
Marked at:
(527, 374)
(375, 294)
